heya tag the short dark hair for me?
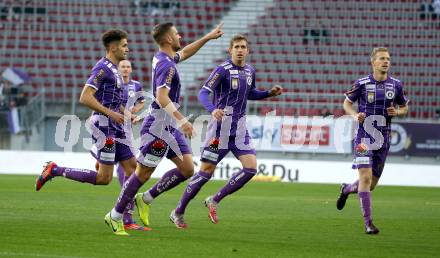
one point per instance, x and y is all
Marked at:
(160, 30)
(113, 35)
(238, 37)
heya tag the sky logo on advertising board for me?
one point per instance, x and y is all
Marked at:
(261, 133)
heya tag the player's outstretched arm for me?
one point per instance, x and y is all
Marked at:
(88, 98)
(192, 48)
(164, 101)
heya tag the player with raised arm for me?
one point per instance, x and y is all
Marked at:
(232, 83)
(161, 136)
(380, 97)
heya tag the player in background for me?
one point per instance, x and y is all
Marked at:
(129, 88)
(161, 136)
(103, 94)
(382, 96)
(232, 83)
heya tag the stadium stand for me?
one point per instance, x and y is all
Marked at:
(315, 49)
(58, 47)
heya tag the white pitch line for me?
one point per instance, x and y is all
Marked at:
(9, 254)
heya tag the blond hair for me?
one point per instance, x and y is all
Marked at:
(376, 50)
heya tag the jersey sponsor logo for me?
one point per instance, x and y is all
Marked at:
(362, 161)
(233, 71)
(109, 146)
(98, 77)
(151, 160)
(212, 81)
(158, 147)
(213, 144)
(210, 155)
(107, 156)
(361, 149)
(389, 94)
(170, 75)
(352, 90)
(370, 86)
(234, 83)
(249, 80)
(370, 97)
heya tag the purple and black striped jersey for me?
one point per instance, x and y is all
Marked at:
(107, 81)
(231, 86)
(374, 97)
(165, 74)
(129, 90)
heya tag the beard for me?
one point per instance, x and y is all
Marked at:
(176, 48)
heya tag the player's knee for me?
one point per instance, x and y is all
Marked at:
(130, 171)
(143, 173)
(251, 164)
(248, 161)
(207, 167)
(104, 179)
(187, 171)
(365, 180)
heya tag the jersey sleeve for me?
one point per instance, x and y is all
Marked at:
(97, 78)
(255, 94)
(214, 79)
(177, 58)
(165, 73)
(354, 93)
(138, 88)
(401, 98)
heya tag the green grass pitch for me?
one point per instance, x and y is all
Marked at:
(66, 219)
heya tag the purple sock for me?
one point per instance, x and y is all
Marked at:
(236, 182)
(365, 200)
(127, 217)
(129, 189)
(121, 174)
(194, 186)
(168, 181)
(353, 188)
(77, 174)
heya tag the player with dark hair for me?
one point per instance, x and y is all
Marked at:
(380, 97)
(103, 94)
(232, 84)
(161, 136)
